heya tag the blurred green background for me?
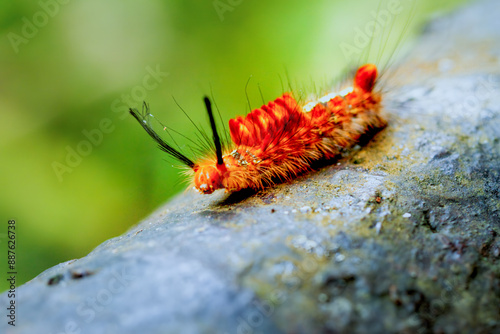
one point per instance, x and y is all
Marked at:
(71, 69)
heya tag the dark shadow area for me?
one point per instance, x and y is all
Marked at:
(236, 197)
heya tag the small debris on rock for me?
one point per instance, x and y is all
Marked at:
(305, 209)
(55, 279)
(339, 257)
(77, 274)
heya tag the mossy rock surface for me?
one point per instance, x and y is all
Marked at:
(400, 236)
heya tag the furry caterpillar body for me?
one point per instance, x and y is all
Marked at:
(280, 140)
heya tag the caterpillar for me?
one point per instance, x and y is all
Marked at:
(281, 139)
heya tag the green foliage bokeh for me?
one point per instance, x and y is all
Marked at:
(83, 65)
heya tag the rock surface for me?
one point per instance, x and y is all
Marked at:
(401, 236)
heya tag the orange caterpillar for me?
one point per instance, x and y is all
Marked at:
(280, 140)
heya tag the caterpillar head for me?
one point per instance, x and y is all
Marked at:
(208, 177)
(209, 174)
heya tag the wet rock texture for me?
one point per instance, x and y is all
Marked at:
(400, 236)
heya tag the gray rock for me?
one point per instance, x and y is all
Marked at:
(403, 236)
